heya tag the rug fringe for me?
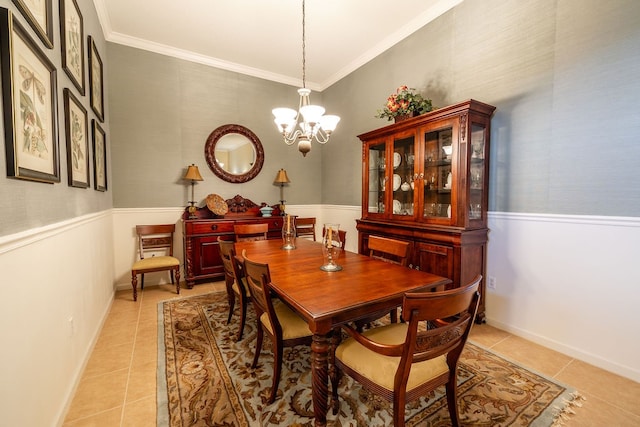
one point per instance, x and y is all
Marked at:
(563, 415)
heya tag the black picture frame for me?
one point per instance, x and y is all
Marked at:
(40, 20)
(30, 105)
(77, 134)
(72, 43)
(99, 157)
(96, 80)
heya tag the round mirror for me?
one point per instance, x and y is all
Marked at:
(234, 153)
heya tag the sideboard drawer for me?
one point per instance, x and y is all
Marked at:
(209, 227)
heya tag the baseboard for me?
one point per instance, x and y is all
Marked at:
(570, 351)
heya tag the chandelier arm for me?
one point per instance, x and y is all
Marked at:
(321, 137)
(291, 138)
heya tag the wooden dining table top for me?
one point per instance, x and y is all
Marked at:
(327, 299)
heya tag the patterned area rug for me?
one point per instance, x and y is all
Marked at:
(205, 379)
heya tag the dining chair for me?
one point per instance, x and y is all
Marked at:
(235, 282)
(401, 363)
(342, 234)
(392, 251)
(154, 240)
(248, 232)
(389, 250)
(306, 227)
(276, 319)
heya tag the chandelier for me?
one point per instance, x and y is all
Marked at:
(314, 125)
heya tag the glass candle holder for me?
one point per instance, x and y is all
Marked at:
(289, 232)
(331, 247)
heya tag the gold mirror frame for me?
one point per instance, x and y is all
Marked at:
(210, 156)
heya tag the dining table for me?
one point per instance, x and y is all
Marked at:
(363, 287)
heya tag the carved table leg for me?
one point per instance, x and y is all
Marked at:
(320, 378)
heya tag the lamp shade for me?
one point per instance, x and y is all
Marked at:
(281, 177)
(193, 174)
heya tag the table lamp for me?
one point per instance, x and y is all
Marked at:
(281, 180)
(193, 175)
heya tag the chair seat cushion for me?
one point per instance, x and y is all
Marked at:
(382, 369)
(156, 262)
(244, 285)
(293, 326)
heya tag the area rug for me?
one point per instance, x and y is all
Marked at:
(205, 379)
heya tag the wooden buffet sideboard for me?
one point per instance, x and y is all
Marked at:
(202, 259)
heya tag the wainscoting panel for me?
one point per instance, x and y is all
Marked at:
(58, 287)
(570, 283)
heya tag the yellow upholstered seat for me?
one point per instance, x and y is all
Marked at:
(381, 369)
(156, 262)
(293, 326)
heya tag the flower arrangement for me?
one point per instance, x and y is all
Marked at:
(405, 102)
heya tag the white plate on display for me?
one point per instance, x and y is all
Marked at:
(397, 159)
(397, 181)
(397, 207)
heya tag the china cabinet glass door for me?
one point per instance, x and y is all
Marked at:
(438, 174)
(377, 179)
(402, 178)
(476, 172)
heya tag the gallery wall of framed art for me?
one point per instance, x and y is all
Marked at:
(41, 131)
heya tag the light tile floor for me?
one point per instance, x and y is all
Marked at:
(118, 387)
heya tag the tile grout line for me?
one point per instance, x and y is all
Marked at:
(564, 368)
(133, 350)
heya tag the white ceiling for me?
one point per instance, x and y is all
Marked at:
(263, 38)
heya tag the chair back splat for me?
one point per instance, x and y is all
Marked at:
(389, 250)
(306, 227)
(154, 240)
(248, 232)
(426, 359)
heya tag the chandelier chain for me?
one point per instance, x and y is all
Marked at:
(304, 55)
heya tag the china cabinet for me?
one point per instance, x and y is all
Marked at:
(424, 180)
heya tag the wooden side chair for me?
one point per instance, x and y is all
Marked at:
(341, 233)
(247, 232)
(235, 282)
(151, 240)
(276, 319)
(306, 227)
(400, 363)
(392, 251)
(389, 250)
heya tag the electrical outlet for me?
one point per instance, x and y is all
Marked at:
(492, 283)
(72, 330)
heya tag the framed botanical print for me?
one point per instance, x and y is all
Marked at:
(72, 38)
(39, 15)
(99, 157)
(96, 90)
(30, 104)
(76, 131)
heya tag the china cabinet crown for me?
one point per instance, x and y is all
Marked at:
(424, 180)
